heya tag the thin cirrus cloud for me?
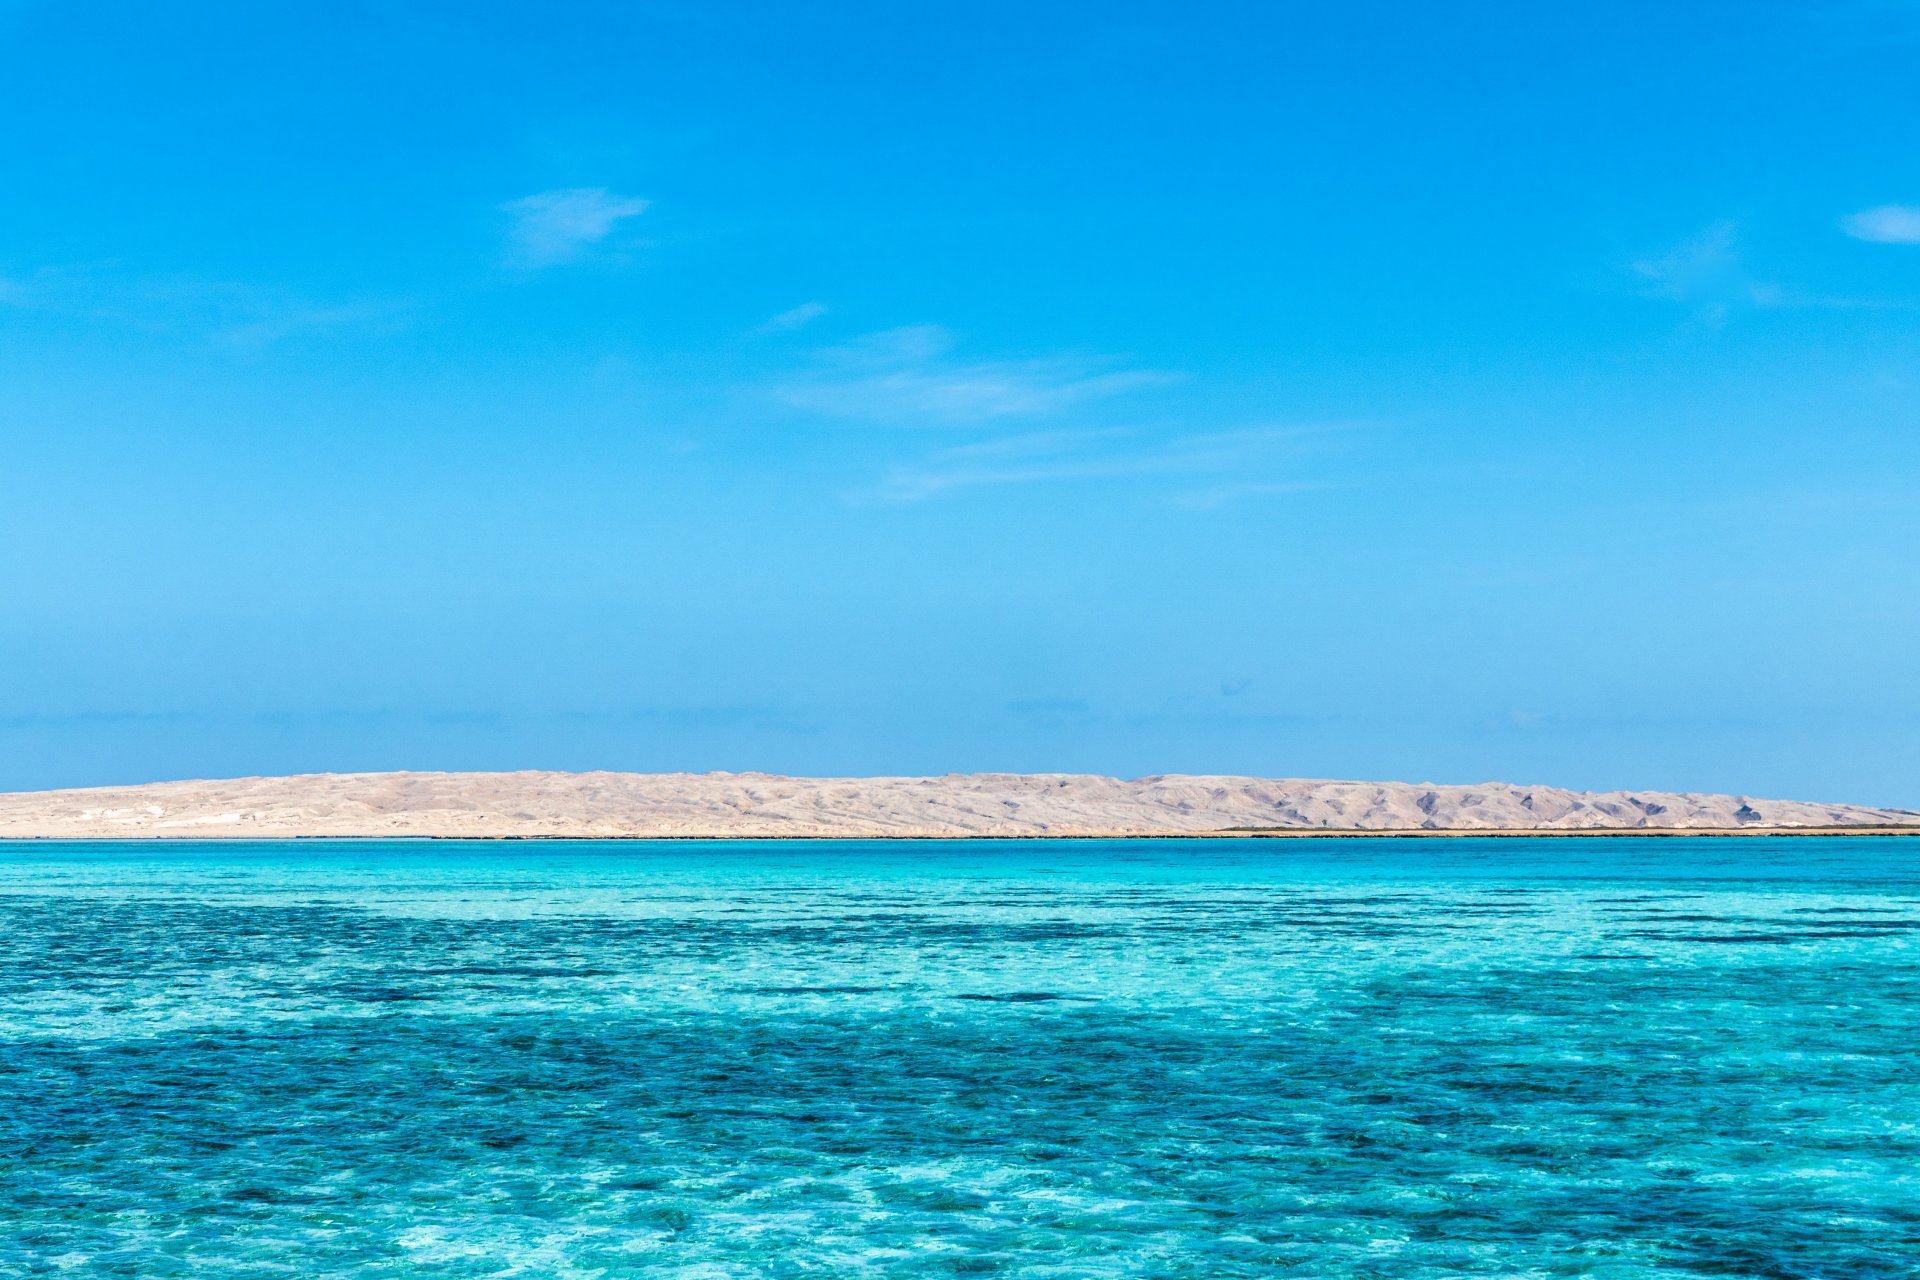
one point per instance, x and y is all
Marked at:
(1886, 224)
(1198, 471)
(916, 377)
(555, 227)
(793, 318)
(1708, 274)
(912, 376)
(1705, 272)
(226, 313)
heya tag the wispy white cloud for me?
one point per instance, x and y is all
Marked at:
(554, 227)
(795, 318)
(1704, 272)
(916, 377)
(227, 312)
(1206, 469)
(1214, 496)
(1887, 224)
(1022, 459)
(912, 376)
(1707, 273)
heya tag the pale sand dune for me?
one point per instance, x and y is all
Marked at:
(752, 804)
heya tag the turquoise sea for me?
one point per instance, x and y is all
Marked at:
(1319, 1058)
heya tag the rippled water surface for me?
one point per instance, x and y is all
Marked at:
(1325, 1058)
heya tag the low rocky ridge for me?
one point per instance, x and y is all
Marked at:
(756, 804)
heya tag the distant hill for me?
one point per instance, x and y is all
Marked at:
(534, 804)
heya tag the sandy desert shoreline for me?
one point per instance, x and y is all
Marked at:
(1325, 833)
(730, 806)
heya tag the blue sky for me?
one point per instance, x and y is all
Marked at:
(1369, 390)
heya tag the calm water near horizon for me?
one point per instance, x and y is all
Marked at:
(1319, 1058)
